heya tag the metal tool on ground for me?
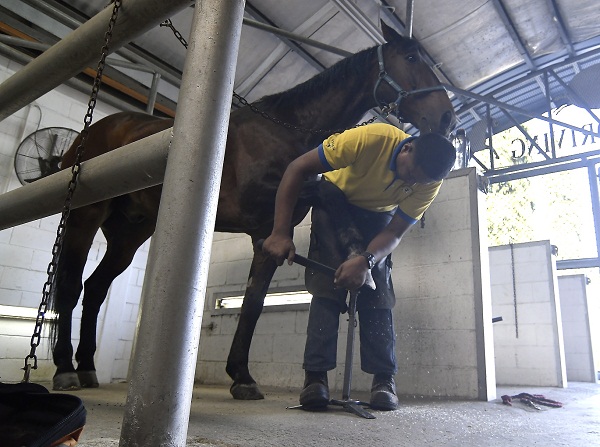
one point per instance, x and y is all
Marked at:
(348, 404)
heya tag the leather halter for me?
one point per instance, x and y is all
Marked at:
(394, 107)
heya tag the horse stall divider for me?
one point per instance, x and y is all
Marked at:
(80, 49)
(160, 391)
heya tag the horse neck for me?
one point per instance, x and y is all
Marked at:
(339, 103)
(343, 106)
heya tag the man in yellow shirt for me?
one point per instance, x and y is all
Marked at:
(385, 180)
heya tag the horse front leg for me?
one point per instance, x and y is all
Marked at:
(244, 387)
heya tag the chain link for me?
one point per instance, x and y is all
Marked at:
(243, 101)
(48, 288)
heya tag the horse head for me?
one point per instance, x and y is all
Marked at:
(408, 84)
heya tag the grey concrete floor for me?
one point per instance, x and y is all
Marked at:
(218, 420)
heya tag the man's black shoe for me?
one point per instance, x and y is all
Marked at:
(383, 393)
(315, 394)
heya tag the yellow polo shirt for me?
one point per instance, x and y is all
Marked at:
(361, 162)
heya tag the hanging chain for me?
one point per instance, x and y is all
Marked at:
(48, 288)
(243, 101)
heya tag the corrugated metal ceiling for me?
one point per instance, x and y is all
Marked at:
(475, 45)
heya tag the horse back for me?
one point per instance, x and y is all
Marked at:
(115, 131)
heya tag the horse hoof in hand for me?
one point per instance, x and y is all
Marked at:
(246, 391)
(88, 379)
(65, 382)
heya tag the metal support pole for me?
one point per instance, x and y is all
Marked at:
(153, 93)
(549, 109)
(410, 4)
(593, 176)
(164, 361)
(490, 132)
(80, 49)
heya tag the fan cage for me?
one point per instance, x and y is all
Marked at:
(41, 152)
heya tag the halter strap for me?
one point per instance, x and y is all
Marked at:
(384, 76)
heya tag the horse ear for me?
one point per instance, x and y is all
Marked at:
(389, 33)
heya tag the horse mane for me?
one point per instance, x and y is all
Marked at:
(348, 67)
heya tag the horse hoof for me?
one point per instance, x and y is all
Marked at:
(65, 382)
(246, 391)
(88, 379)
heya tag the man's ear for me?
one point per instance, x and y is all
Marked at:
(407, 147)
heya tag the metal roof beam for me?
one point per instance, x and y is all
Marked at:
(490, 100)
(560, 24)
(81, 86)
(258, 16)
(280, 32)
(16, 42)
(514, 34)
(76, 52)
(360, 19)
(130, 51)
(531, 76)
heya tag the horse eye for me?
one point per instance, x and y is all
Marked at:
(412, 58)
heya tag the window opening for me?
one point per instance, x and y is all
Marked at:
(272, 299)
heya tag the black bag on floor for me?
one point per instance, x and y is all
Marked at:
(30, 416)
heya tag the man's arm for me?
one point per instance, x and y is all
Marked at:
(352, 273)
(279, 244)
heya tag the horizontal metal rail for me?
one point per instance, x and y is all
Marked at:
(136, 166)
(583, 263)
(543, 167)
(488, 99)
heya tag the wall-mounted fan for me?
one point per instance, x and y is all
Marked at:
(40, 153)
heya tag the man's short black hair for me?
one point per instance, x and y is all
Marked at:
(435, 154)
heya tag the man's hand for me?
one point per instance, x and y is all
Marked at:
(280, 248)
(351, 274)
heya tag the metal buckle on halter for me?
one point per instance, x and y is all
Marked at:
(391, 108)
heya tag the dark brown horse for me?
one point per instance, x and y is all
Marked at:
(258, 151)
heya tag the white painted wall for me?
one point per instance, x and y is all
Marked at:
(528, 342)
(575, 311)
(25, 251)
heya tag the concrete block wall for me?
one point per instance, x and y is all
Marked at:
(443, 313)
(25, 250)
(577, 328)
(528, 342)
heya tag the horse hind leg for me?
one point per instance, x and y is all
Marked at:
(123, 238)
(244, 387)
